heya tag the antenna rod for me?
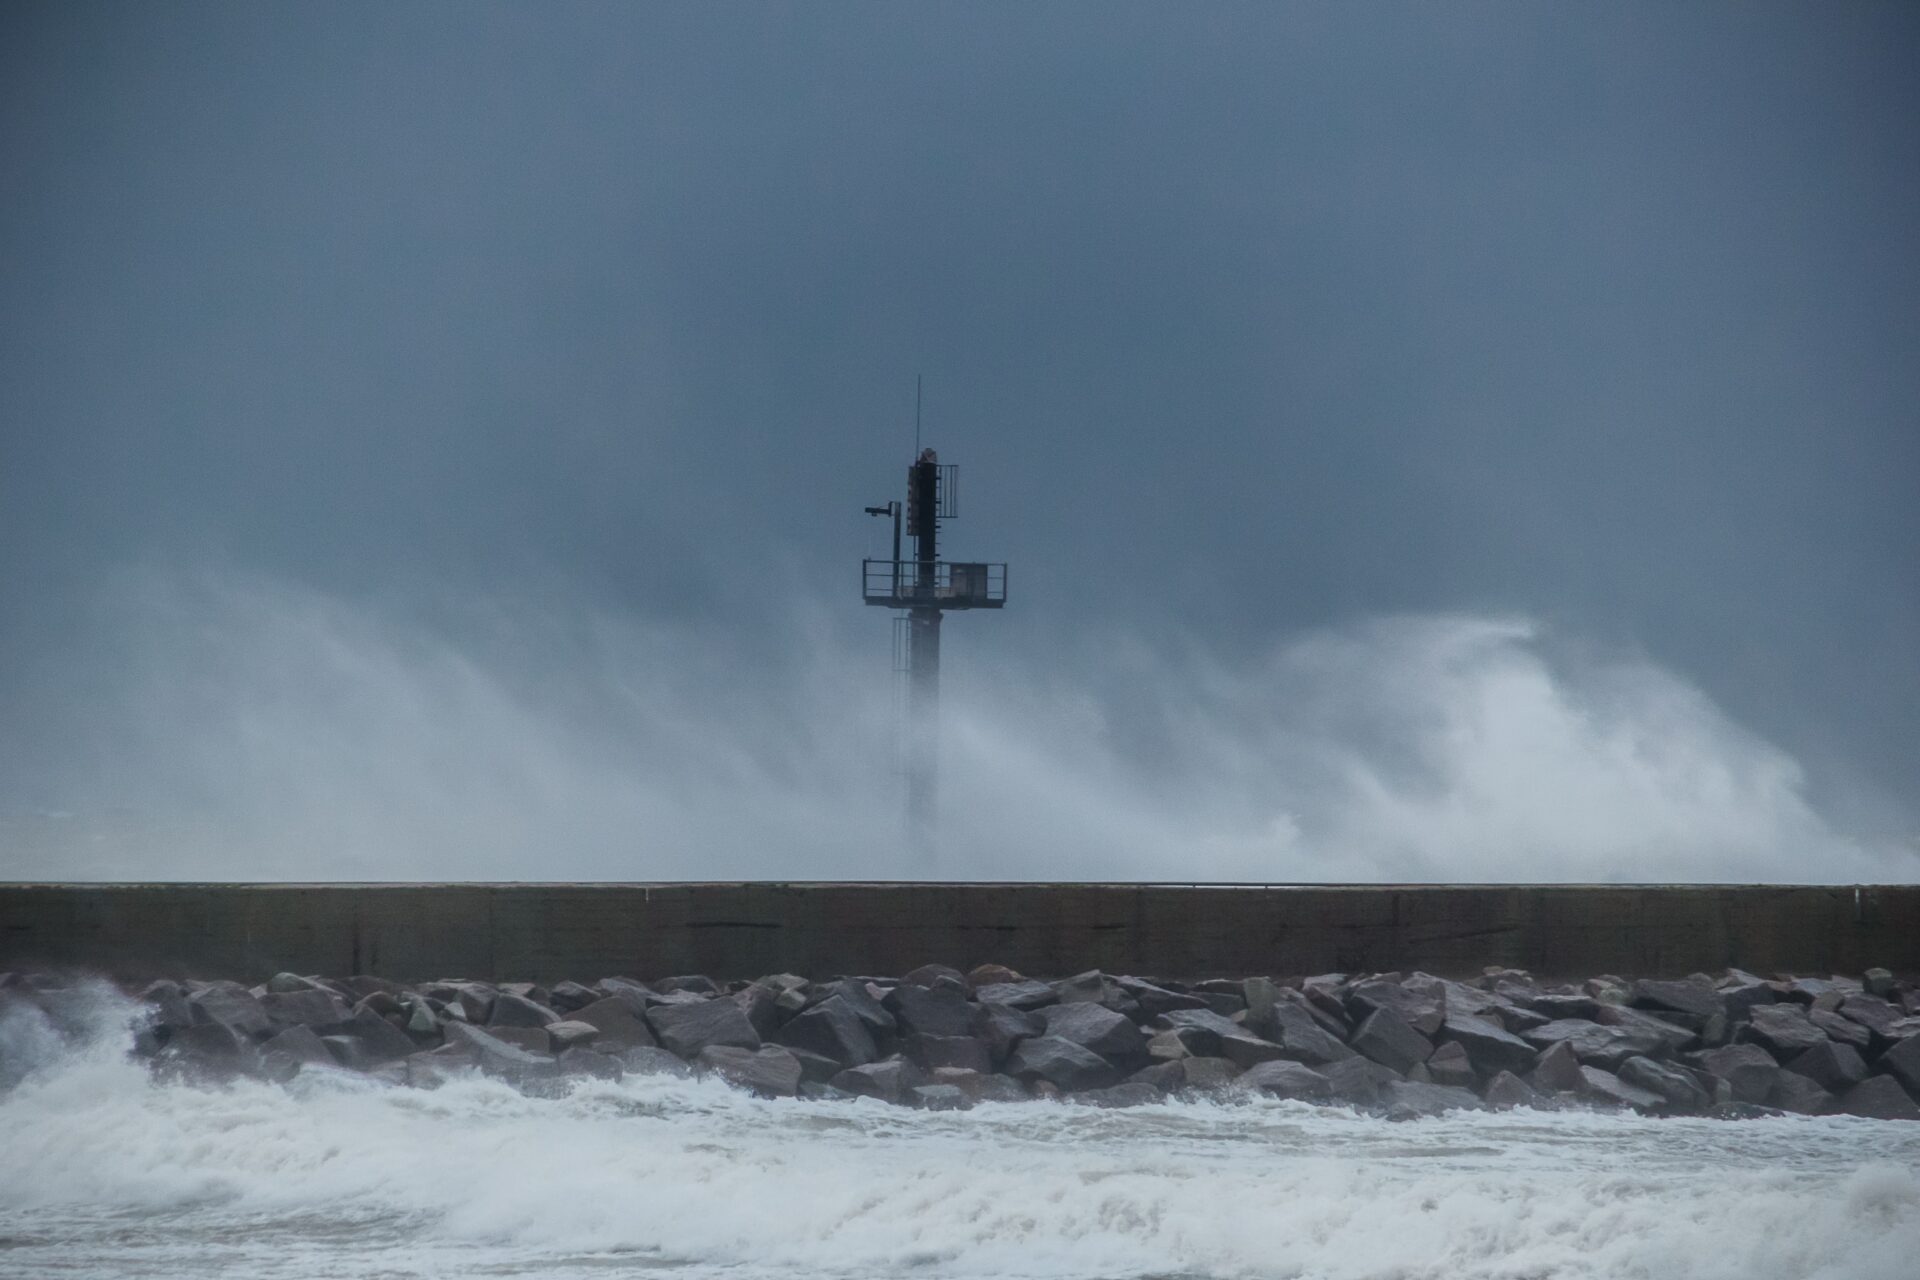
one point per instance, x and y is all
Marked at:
(916, 416)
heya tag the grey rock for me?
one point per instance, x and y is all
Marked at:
(1833, 1066)
(815, 1066)
(208, 1045)
(310, 1007)
(930, 1052)
(833, 1030)
(510, 1010)
(930, 1011)
(1605, 1087)
(1840, 1028)
(1025, 994)
(1295, 1028)
(618, 1021)
(532, 1039)
(1203, 1027)
(302, 1045)
(232, 1006)
(890, 1081)
(1202, 1075)
(1877, 982)
(569, 1033)
(686, 1029)
(1902, 1062)
(381, 1040)
(1877, 1098)
(1743, 993)
(1557, 1069)
(1507, 1091)
(1873, 1013)
(1095, 1027)
(497, 1057)
(1794, 1092)
(1247, 1050)
(1001, 1026)
(1783, 1029)
(1749, 1070)
(762, 1007)
(284, 983)
(1598, 1045)
(1698, 999)
(1674, 1084)
(1449, 1065)
(935, 975)
(1284, 1079)
(1061, 1062)
(569, 996)
(1155, 999)
(1360, 1081)
(1490, 1047)
(1386, 1038)
(698, 984)
(1674, 1036)
(769, 1071)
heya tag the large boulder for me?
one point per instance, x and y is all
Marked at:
(1202, 1029)
(1489, 1046)
(310, 1007)
(1283, 1079)
(769, 1071)
(232, 1006)
(1063, 1063)
(1672, 1035)
(496, 1056)
(1557, 1069)
(833, 1030)
(300, 1043)
(1593, 1043)
(1001, 1026)
(1749, 1070)
(1695, 998)
(1606, 1087)
(1024, 994)
(930, 1011)
(1833, 1066)
(1878, 1098)
(379, 1039)
(947, 1051)
(1360, 1081)
(1507, 1091)
(1902, 1062)
(1386, 1038)
(686, 1029)
(1877, 1015)
(619, 1024)
(1783, 1029)
(510, 1010)
(1155, 999)
(1796, 1093)
(1098, 1028)
(1295, 1028)
(1450, 1065)
(890, 1081)
(1681, 1091)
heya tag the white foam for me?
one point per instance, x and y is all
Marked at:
(108, 1172)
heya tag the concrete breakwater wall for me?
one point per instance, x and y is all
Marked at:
(543, 932)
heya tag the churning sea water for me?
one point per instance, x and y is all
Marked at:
(107, 1172)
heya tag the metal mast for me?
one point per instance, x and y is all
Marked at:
(925, 587)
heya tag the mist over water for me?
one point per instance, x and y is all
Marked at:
(236, 726)
(111, 1172)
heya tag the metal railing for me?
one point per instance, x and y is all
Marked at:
(951, 584)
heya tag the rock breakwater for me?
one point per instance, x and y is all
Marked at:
(1404, 1045)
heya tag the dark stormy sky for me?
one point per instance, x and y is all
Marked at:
(1441, 442)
